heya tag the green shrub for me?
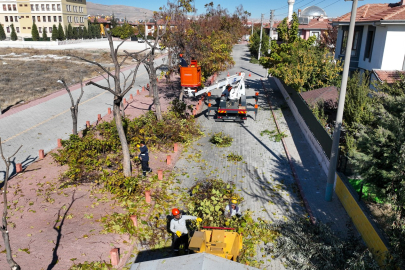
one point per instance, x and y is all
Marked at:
(221, 140)
(234, 157)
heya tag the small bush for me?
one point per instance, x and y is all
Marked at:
(91, 265)
(234, 157)
(221, 140)
(274, 134)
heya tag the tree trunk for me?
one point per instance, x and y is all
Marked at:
(74, 111)
(123, 139)
(181, 94)
(156, 99)
(150, 87)
(13, 265)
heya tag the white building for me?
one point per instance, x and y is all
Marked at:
(379, 38)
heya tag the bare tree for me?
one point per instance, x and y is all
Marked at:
(74, 109)
(149, 64)
(3, 227)
(115, 88)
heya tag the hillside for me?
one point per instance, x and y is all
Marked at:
(120, 11)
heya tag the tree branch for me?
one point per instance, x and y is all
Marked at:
(92, 62)
(102, 87)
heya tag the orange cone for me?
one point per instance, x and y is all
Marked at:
(228, 74)
(250, 75)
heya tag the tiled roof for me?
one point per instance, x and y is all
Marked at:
(315, 24)
(321, 94)
(377, 12)
(388, 76)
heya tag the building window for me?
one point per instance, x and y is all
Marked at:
(53, 7)
(49, 19)
(45, 30)
(43, 7)
(40, 29)
(17, 29)
(25, 5)
(58, 7)
(29, 27)
(24, 27)
(11, 19)
(369, 43)
(32, 7)
(14, 7)
(47, 7)
(33, 18)
(60, 18)
(20, 5)
(4, 7)
(22, 17)
(355, 44)
(8, 29)
(39, 18)
(9, 7)
(6, 18)
(37, 7)
(50, 29)
(54, 19)
(16, 18)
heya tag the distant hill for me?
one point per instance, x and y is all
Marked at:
(120, 11)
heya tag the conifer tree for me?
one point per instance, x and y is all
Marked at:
(2, 33)
(85, 33)
(55, 34)
(44, 35)
(69, 33)
(79, 32)
(34, 32)
(61, 33)
(13, 33)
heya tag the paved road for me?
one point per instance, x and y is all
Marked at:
(39, 127)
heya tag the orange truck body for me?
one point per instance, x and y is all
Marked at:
(190, 76)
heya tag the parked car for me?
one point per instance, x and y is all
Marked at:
(141, 40)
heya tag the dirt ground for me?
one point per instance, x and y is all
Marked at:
(52, 228)
(28, 74)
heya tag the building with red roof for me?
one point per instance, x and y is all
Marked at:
(379, 39)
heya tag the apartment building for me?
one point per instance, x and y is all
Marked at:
(45, 14)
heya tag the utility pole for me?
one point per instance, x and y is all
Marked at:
(252, 27)
(261, 34)
(146, 34)
(338, 125)
(271, 28)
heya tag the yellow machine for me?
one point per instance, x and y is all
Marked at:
(217, 241)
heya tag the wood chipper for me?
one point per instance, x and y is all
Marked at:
(223, 242)
(231, 104)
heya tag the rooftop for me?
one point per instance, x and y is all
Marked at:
(321, 94)
(315, 24)
(388, 76)
(376, 12)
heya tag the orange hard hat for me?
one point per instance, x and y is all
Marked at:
(181, 55)
(175, 211)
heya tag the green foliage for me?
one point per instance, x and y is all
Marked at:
(69, 33)
(13, 33)
(85, 33)
(2, 33)
(61, 33)
(91, 266)
(358, 102)
(179, 108)
(255, 43)
(396, 88)
(221, 140)
(274, 134)
(125, 31)
(55, 33)
(234, 157)
(298, 62)
(34, 32)
(308, 246)
(96, 156)
(208, 200)
(44, 35)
